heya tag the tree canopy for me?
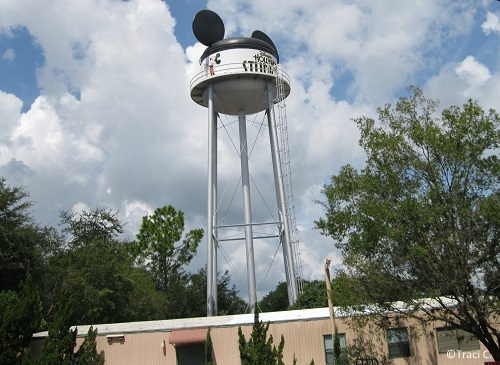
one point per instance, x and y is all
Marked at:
(314, 295)
(20, 317)
(93, 269)
(228, 301)
(259, 349)
(160, 242)
(22, 241)
(421, 218)
(275, 300)
(44, 271)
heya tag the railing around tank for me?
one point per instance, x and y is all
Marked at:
(236, 69)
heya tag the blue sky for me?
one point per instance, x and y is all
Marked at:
(20, 59)
(95, 106)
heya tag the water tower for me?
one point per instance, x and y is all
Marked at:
(240, 77)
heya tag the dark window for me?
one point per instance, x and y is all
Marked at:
(399, 345)
(193, 354)
(329, 355)
(449, 338)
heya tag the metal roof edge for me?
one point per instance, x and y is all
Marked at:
(168, 325)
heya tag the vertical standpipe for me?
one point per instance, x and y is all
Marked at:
(247, 210)
(212, 215)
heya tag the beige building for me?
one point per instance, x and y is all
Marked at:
(307, 336)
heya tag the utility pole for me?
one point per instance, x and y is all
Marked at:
(329, 294)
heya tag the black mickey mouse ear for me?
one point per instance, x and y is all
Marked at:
(208, 27)
(264, 37)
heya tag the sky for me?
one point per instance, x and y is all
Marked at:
(95, 107)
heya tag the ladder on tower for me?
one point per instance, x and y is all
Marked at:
(284, 151)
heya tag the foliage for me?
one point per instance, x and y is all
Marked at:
(259, 349)
(96, 272)
(14, 218)
(314, 295)
(159, 244)
(369, 340)
(228, 301)
(275, 300)
(347, 292)
(87, 353)
(336, 346)
(90, 227)
(143, 302)
(89, 263)
(59, 346)
(363, 348)
(209, 350)
(421, 219)
(20, 317)
(22, 241)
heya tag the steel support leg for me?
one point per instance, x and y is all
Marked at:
(280, 196)
(212, 188)
(247, 210)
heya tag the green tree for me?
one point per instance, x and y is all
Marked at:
(228, 301)
(87, 353)
(144, 301)
(22, 242)
(421, 219)
(259, 349)
(209, 350)
(93, 268)
(15, 227)
(275, 300)
(162, 246)
(336, 347)
(20, 317)
(313, 296)
(59, 346)
(347, 291)
(91, 227)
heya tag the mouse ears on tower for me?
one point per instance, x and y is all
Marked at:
(208, 28)
(257, 34)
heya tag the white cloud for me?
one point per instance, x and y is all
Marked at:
(115, 126)
(9, 55)
(455, 88)
(134, 211)
(473, 71)
(10, 112)
(80, 207)
(491, 24)
(382, 44)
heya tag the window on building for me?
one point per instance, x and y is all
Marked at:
(329, 355)
(193, 354)
(189, 345)
(399, 345)
(449, 338)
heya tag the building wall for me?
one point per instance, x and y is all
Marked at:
(137, 348)
(303, 338)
